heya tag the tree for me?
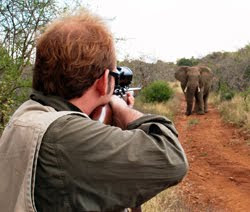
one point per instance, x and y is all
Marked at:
(20, 22)
(187, 62)
(13, 87)
(232, 68)
(145, 73)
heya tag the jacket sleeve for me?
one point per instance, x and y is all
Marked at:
(124, 167)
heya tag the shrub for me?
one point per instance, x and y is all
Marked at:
(226, 93)
(14, 87)
(158, 91)
(187, 62)
(246, 98)
(227, 96)
(236, 111)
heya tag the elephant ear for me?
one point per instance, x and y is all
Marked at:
(181, 73)
(206, 73)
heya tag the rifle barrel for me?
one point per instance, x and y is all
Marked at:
(134, 89)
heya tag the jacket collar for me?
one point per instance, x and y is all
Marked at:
(58, 103)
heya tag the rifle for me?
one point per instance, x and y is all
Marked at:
(123, 78)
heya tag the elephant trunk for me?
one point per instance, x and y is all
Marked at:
(190, 93)
(192, 87)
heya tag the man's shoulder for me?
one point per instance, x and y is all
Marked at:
(34, 114)
(73, 124)
(69, 119)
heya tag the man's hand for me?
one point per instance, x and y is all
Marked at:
(119, 112)
(130, 100)
(122, 112)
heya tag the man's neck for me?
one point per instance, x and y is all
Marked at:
(87, 102)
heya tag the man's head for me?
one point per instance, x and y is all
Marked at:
(71, 54)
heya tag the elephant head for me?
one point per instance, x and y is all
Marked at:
(195, 82)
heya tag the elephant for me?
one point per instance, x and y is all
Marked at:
(196, 82)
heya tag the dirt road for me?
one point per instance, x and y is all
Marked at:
(219, 159)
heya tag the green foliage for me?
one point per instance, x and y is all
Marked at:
(20, 22)
(226, 93)
(246, 98)
(187, 62)
(246, 94)
(158, 91)
(247, 72)
(13, 87)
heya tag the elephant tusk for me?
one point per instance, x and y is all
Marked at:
(199, 90)
(185, 90)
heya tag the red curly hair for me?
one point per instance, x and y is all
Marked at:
(71, 54)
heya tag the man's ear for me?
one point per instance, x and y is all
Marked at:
(102, 83)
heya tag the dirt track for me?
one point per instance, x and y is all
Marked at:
(219, 159)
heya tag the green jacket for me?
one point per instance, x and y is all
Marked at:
(84, 165)
(19, 147)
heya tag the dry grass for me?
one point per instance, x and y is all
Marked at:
(176, 86)
(167, 109)
(156, 108)
(168, 200)
(214, 99)
(235, 111)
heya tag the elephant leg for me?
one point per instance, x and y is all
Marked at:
(205, 98)
(199, 107)
(189, 100)
(189, 108)
(196, 106)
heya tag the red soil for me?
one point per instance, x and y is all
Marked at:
(219, 160)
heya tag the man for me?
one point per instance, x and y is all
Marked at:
(54, 157)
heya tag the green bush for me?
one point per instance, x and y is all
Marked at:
(187, 62)
(13, 87)
(246, 98)
(226, 93)
(226, 96)
(158, 91)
